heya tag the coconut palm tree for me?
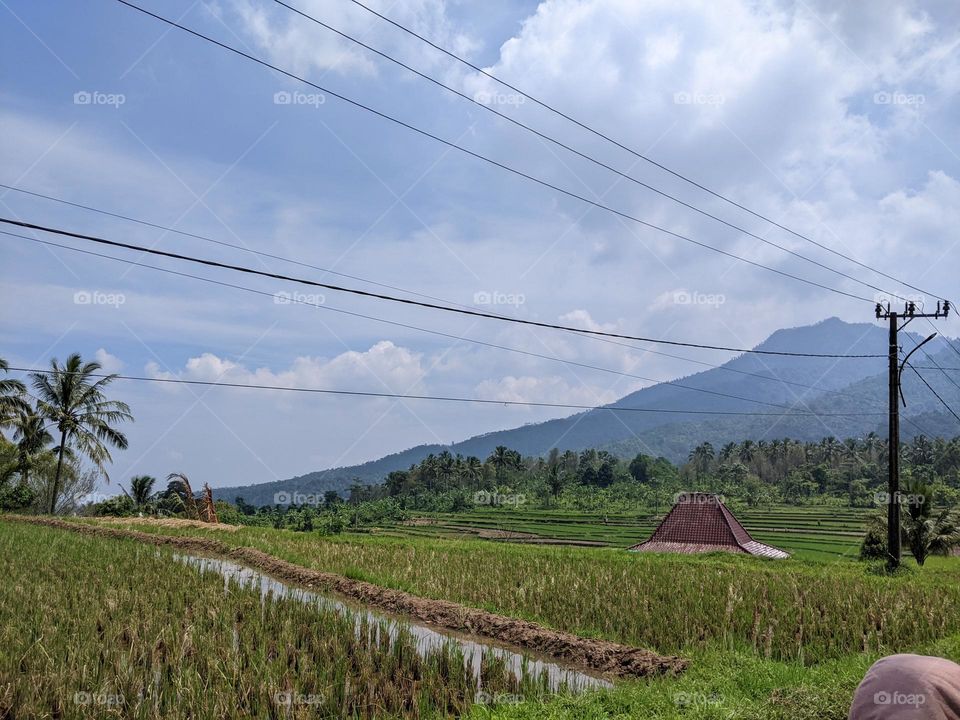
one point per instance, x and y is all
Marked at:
(141, 488)
(925, 533)
(921, 452)
(12, 394)
(556, 478)
(701, 458)
(32, 438)
(446, 469)
(71, 397)
(500, 458)
(728, 452)
(473, 471)
(873, 447)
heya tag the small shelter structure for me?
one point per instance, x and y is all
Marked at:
(700, 523)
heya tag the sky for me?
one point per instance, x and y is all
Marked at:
(835, 119)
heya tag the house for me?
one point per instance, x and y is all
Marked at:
(700, 523)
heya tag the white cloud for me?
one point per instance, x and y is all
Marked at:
(109, 363)
(582, 319)
(546, 389)
(304, 45)
(384, 367)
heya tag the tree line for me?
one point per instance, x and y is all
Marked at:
(849, 472)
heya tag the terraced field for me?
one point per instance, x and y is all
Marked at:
(765, 640)
(818, 533)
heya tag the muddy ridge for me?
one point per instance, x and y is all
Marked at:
(598, 655)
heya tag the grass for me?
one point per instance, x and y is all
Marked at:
(789, 610)
(108, 628)
(767, 640)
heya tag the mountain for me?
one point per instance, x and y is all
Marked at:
(850, 400)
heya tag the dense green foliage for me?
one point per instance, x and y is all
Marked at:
(851, 472)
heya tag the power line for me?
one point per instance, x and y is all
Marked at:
(491, 161)
(578, 153)
(634, 152)
(407, 301)
(243, 248)
(942, 370)
(481, 342)
(930, 388)
(948, 341)
(461, 338)
(222, 243)
(444, 398)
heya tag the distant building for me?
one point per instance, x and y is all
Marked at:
(701, 523)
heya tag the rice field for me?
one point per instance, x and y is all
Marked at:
(111, 628)
(104, 622)
(787, 610)
(816, 533)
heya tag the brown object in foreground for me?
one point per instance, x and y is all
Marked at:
(908, 687)
(209, 512)
(699, 523)
(598, 655)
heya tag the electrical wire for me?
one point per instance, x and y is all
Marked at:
(491, 161)
(442, 398)
(634, 152)
(243, 248)
(936, 394)
(580, 154)
(459, 338)
(407, 301)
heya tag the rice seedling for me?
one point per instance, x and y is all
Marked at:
(789, 610)
(107, 628)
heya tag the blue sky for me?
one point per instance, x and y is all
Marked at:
(839, 120)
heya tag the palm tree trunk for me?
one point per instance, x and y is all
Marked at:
(56, 478)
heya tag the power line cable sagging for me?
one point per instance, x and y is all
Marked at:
(459, 338)
(260, 253)
(622, 146)
(501, 165)
(451, 398)
(416, 303)
(589, 158)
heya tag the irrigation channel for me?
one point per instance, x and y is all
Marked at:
(560, 678)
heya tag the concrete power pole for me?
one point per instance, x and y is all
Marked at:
(895, 370)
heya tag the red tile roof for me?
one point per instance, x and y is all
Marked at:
(700, 522)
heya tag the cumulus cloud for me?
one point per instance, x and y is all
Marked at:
(546, 389)
(582, 319)
(108, 363)
(383, 367)
(303, 45)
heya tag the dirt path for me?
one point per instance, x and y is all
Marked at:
(596, 655)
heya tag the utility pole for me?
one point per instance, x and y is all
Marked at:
(895, 369)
